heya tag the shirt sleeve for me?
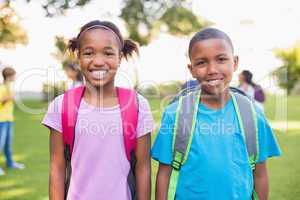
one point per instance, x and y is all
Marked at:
(268, 146)
(52, 118)
(162, 147)
(146, 122)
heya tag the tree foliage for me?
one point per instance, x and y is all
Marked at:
(145, 18)
(11, 31)
(289, 73)
(62, 53)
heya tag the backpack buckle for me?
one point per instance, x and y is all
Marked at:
(177, 161)
(176, 165)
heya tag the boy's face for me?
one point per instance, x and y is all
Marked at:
(11, 78)
(212, 64)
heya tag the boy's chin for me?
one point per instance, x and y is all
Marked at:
(214, 92)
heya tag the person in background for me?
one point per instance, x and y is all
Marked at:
(73, 72)
(7, 118)
(253, 90)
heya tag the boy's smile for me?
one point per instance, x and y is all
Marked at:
(212, 64)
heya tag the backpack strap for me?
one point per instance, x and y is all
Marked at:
(129, 114)
(71, 103)
(248, 124)
(184, 126)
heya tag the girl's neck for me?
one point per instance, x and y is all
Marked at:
(105, 96)
(215, 101)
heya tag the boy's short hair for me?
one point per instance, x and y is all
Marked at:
(209, 33)
(8, 71)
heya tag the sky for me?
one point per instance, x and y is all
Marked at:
(256, 28)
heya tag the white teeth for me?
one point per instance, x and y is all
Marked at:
(214, 82)
(99, 74)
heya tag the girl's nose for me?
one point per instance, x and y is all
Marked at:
(98, 60)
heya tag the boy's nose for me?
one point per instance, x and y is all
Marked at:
(212, 68)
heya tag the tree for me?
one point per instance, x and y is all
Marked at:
(11, 32)
(61, 53)
(145, 18)
(289, 73)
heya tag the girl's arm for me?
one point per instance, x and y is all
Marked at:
(57, 166)
(162, 181)
(261, 181)
(143, 168)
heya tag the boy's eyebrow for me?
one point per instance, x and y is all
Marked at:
(222, 54)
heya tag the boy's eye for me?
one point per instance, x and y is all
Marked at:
(199, 63)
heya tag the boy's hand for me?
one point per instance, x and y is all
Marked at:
(162, 181)
(7, 99)
(261, 181)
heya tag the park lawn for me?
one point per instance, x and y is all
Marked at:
(31, 148)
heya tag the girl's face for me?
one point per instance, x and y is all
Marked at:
(241, 78)
(212, 64)
(99, 57)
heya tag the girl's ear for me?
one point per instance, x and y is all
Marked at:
(236, 62)
(120, 57)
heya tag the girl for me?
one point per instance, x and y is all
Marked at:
(252, 89)
(217, 164)
(99, 164)
(73, 72)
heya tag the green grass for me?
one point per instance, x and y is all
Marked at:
(31, 148)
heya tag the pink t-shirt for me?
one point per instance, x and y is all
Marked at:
(99, 164)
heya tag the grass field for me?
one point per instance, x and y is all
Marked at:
(31, 148)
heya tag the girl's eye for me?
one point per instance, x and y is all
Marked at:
(222, 59)
(87, 53)
(109, 53)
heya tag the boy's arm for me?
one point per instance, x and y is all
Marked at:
(261, 182)
(7, 98)
(143, 168)
(162, 182)
(57, 167)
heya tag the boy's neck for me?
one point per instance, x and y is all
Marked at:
(215, 101)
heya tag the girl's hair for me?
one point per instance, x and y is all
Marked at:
(209, 33)
(75, 68)
(248, 77)
(127, 46)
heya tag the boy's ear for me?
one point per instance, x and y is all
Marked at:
(190, 67)
(236, 62)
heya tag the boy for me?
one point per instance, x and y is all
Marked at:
(216, 163)
(6, 118)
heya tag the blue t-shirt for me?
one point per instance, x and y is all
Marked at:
(217, 166)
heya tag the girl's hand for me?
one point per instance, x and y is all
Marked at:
(143, 168)
(57, 166)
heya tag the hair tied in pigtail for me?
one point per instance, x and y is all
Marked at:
(129, 48)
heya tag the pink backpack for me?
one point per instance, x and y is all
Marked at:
(129, 113)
